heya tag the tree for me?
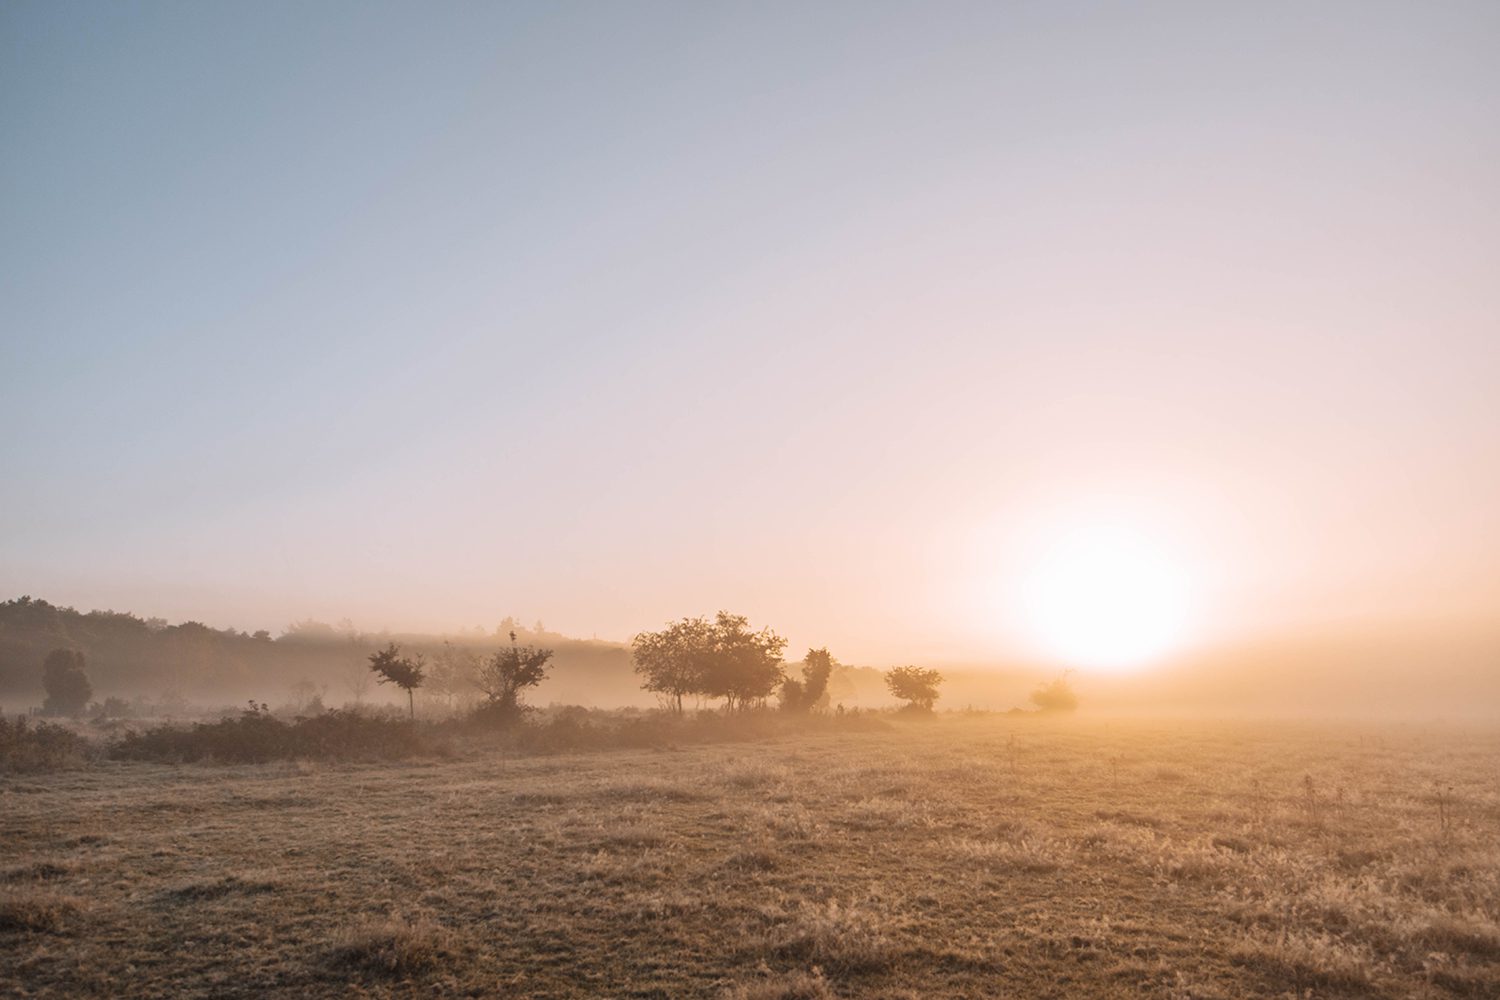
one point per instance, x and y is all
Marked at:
(811, 692)
(918, 686)
(453, 672)
(721, 658)
(68, 688)
(406, 672)
(354, 669)
(1056, 696)
(504, 675)
(674, 660)
(307, 696)
(743, 667)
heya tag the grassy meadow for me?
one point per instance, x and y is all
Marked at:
(958, 856)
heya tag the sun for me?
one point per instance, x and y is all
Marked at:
(1106, 598)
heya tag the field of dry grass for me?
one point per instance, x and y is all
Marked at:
(958, 857)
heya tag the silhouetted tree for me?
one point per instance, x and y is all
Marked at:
(745, 667)
(510, 671)
(406, 672)
(68, 689)
(674, 660)
(1056, 696)
(811, 692)
(918, 686)
(721, 658)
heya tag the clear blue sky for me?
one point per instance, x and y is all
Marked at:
(426, 314)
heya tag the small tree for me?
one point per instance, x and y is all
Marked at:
(508, 672)
(811, 691)
(917, 686)
(68, 688)
(406, 672)
(1056, 696)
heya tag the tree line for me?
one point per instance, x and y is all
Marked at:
(719, 659)
(705, 658)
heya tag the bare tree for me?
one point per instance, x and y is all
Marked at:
(454, 671)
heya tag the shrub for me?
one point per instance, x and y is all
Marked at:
(44, 747)
(256, 736)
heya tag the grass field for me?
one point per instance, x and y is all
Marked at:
(956, 857)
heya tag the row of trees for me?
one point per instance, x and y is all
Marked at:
(723, 657)
(144, 656)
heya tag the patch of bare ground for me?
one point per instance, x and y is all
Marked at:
(958, 857)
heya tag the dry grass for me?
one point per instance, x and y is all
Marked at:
(958, 857)
(393, 946)
(38, 911)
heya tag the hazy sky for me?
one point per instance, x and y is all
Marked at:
(833, 314)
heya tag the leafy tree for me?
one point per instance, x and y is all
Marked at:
(918, 686)
(811, 691)
(718, 658)
(406, 672)
(508, 672)
(744, 667)
(674, 660)
(68, 688)
(1056, 696)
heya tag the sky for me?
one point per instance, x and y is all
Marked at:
(838, 315)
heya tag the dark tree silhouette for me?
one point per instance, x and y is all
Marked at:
(811, 691)
(1056, 696)
(745, 667)
(68, 689)
(721, 658)
(918, 686)
(510, 671)
(406, 672)
(674, 660)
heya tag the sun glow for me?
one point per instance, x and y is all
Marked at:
(1106, 598)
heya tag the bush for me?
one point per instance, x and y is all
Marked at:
(44, 747)
(1057, 696)
(256, 736)
(498, 715)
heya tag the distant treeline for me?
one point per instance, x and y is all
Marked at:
(128, 655)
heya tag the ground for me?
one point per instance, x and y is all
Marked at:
(954, 857)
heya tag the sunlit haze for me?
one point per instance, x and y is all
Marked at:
(941, 333)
